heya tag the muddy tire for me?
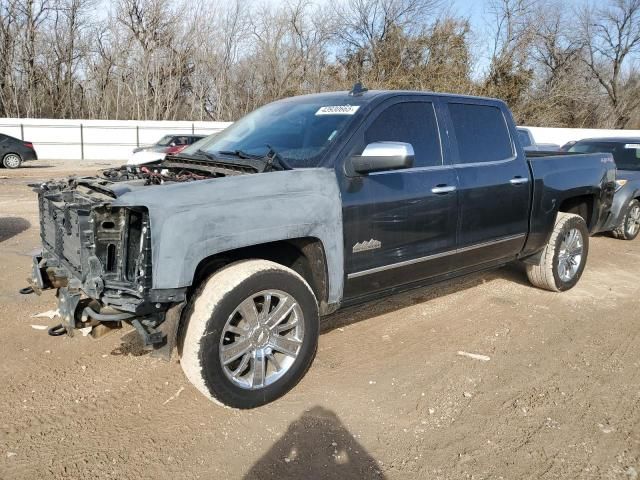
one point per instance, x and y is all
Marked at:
(564, 257)
(251, 334)
(11, 160)
(629, 228)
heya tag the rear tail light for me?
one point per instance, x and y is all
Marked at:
(28, 144)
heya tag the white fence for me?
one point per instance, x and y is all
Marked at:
(115, 139)
(97, 139)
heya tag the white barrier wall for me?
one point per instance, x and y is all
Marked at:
(560, 136)
(97, 139)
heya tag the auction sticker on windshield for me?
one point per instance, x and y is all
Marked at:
(338, 110)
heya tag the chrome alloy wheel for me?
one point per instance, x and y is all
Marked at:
(570, 255)
(261, 339)
(633, 221)
(12, 161)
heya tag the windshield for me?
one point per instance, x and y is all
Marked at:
(626, 155)
(300, 132)
(165, 141)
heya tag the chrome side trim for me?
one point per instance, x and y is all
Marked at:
(433, 257)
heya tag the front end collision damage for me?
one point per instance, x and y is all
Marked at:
(132, 256)
(98, 258)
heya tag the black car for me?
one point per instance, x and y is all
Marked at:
(14, 151)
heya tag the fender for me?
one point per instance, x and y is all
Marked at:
(192, 221)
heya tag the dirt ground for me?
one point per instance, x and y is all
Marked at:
(387, 397)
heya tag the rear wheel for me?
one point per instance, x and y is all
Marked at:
(252, 334)
(629, 228)
(564, 257)
(12, 160)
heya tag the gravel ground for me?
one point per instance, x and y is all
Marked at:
(389, 395)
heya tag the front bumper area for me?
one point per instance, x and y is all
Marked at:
(153, 316)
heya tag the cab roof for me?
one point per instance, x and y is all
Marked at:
(369, 96)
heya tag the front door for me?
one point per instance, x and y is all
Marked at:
(399, 225)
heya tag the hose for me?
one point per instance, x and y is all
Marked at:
(57, 331)
(105, 317)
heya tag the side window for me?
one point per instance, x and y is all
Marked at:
(411, 122)
(481, 132)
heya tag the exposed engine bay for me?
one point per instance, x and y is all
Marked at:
(98, 255)
(153, 175)
(176, 170)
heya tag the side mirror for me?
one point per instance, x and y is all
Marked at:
(172, 144)
(379, 156)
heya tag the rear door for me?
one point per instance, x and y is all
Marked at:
(494, 183)
(399, 225)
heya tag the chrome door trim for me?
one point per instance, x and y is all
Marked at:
(406, 263)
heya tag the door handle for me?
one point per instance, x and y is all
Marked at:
(442, 189)
(518, 180)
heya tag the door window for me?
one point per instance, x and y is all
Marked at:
(411, 122)
(481, 133)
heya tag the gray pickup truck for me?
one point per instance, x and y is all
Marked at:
(233, 249)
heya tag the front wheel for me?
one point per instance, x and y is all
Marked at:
(629, 228)
(252, 334)
(564, 257)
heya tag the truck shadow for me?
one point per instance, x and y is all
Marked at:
(388, 304)
(317, 445)
(12, 226)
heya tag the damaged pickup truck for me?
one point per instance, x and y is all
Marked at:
(233, 249)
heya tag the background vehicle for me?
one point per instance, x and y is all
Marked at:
(167, 145)
(234, 248)
(14, 151)
(529, 144)
(624, 222)
(567, 146)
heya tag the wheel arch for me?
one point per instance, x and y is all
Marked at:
(305, 255)
(583, 205)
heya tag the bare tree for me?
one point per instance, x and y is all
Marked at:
(611, 35)
(367, 29)
(145, 59)
(510, 74)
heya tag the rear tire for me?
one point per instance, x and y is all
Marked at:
(564, 257)
(629, 228)
(12, 161)
(252, 334)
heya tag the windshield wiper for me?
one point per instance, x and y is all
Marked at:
(240, 154)
(273, 159)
